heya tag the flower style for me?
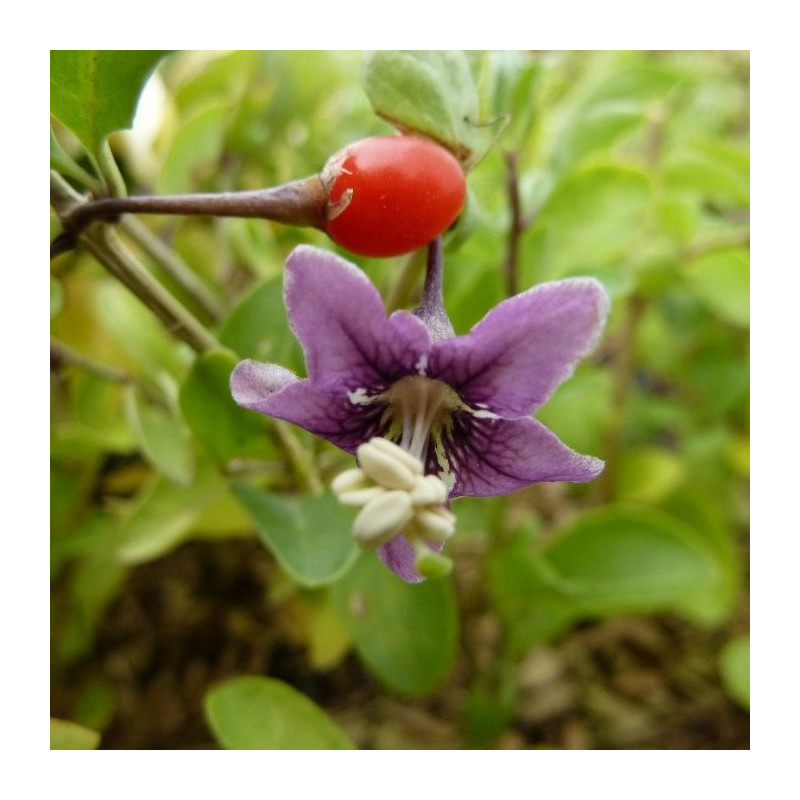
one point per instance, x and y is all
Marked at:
(460, 404)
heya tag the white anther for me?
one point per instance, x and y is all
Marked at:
(429, 490)
(392, 449)
(385, 468)
(348, 480)
(437, 525)
(355, 498)
(381, 519)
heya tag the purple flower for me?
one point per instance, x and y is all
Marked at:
(460, 404)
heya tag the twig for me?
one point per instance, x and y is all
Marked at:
(517, 226)
(300, 202)
(622, 376)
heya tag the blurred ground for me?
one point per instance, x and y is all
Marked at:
(201, 615)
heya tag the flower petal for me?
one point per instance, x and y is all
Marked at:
(496, 456)
(278, 393)
(339, 318)
(398, 555)
(514, 358)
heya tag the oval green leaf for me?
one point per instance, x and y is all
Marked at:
(162, 437)
(94, 92)
(405, 633)
(722, 281)
(310, 536)
(431, 92)
(209, 410)
(256, 713)
(621, 560)
(587, 223)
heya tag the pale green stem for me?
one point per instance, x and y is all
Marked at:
(174, 266)
(108, 167)
(302, 463)
(103, 243)
(62, 353)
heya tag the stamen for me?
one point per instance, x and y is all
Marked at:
(355, 498)
(396, 497)
(380, 519)
(385, 469)
(419, 438)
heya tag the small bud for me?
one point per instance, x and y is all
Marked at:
(430, 564)
(385, 468)
(381, 519)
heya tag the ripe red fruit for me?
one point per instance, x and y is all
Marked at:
(390, 195)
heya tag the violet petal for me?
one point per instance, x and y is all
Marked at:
(514, 358)
(339, 318)
(275, 391)
(496, 456)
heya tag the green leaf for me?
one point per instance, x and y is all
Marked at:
(145, 344)
(255, 713)
(599, 127)
(648, 474)
(94, 92)
(310, 536)
(587, 223)
(162, 437)
(65, 735)
(709, 173)
(405, 633)
(257, 327)
(580, 410)
(618, 560)
(94, 581)
(722, 281)
(225, 429)
(734, 666)
(165, 514)
(527, 597)
(714, 602)
(431, 92)
(196, 148)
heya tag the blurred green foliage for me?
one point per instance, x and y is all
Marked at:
(630, 166)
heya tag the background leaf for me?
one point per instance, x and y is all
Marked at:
(66, 735)
(255, 713)
(225, 429)
(722, 281)
(310, 536)
(162, 436)
(619, 561)
(734, 665)
(406, 633)
(94, 92)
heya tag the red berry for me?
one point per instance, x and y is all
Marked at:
(391, 194)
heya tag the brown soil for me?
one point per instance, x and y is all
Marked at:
(201, 615)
